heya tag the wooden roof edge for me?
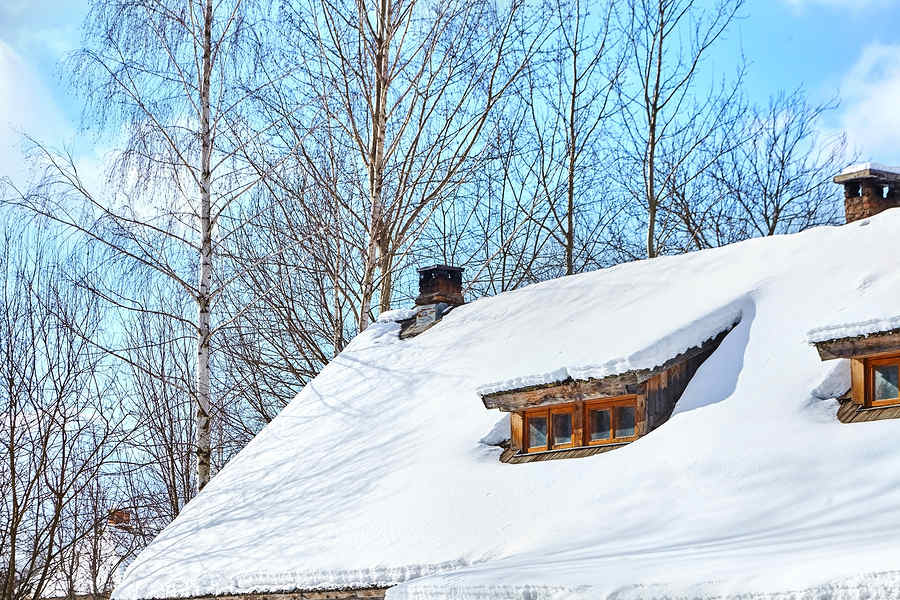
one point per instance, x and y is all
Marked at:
(876, 342)
(351, 592)
(631, 377)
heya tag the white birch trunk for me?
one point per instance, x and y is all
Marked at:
(203, 299)
(376, 164)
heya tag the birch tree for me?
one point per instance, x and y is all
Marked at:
(174, 77)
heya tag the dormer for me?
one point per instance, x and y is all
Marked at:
(873, 349)
(576, 418)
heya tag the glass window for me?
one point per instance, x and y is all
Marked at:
(624, 421)
(562, 429)
(537, 431)
(886, 382)
(600, 424)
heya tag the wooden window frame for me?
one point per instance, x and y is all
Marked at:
(580, 415)
(569, 409)
(588, 407)
(871, 363)
(611, 404)
(543, 413)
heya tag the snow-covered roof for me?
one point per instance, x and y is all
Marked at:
(375, 474)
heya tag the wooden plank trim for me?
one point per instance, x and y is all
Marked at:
(369, 593)
(849, 412)
(858, 381)
(860, 346)
(513, 456)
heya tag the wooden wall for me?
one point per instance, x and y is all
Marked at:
(663, 390)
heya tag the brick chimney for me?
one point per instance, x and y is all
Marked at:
(869, 188)
(440, 283)
(119, 518)
(440, 289)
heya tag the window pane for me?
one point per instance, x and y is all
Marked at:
(599, 425)
(624, 421)
(537, 431)
(562, 429)
(886, 382)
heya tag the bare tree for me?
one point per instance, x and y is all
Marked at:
(407, 87)
(666, 118)
(57, 433)
(175, 78)
(571, 98)
(779, 179)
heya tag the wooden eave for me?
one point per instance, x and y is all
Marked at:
(575, 390)
(343, 593)
(860, 346)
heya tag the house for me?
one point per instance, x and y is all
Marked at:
(385, 476)
(93, 565)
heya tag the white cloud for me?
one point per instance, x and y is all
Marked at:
(870, 111)
(26, 106)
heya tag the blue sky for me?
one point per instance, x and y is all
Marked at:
(827, 46)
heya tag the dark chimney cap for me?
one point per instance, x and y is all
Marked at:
(441, 268)
(440, 283)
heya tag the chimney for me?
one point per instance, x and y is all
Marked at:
(440, 283)
(119, 518)
(440, 289)
(864, 190)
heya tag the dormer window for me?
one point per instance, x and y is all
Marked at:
(575, 418)
(611, 421)
(550, 428)
(884, 376)
(874, 370)
(580, 424)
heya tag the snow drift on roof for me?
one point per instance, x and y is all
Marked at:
(854, 329)
(668, 346)
(374, 474)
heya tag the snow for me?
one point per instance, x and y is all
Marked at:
(381, 471)
(705, 327)
(870, 166)
(853, 329)
(400, 314)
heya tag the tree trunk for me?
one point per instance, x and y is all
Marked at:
(9, 586)
(570, 187)
(652, 141)
(387, 282)
(376, 163)
(203, 299)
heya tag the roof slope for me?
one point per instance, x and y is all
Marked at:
(374, 474)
